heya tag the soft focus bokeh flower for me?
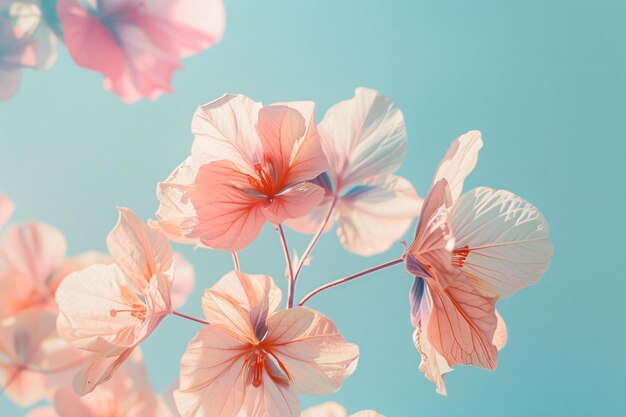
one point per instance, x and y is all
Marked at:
(332, 409)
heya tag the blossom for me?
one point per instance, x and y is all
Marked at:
(33, 264)
(249, 164)
(25, 42)
(111, 309)
(255, 360)
(364, 139)
(469, 251)
(7, 207)
(137, 44)
(34, 360)
(128, 393)
(332, 409)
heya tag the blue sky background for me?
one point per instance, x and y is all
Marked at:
(544, 81)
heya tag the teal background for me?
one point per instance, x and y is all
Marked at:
(545, 81)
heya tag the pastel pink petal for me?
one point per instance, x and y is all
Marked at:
(77, 263)
(272, 398)
(367, 413)
(25, 388)
(501, 335)
(228, 218)
(138, 249)
(211, 375)
(363, 138)
(184, 281)
(507, 240)
(184, 27)
(329, 409)
(91, 44)
(35, 250)
(376, 216)
(315, 355)
(175, 208)
(313, 219)
(225, 130)
(99, 370)
(86, 300)
(294, 202)
(306, 159)
(9, 81)
(68, 404)
(433, 364)
(43, 412)
(242, 303)
(459, 161)
(462, 325)
(430, 254)
(279, 128)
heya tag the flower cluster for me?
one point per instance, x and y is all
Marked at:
(136, 44)
(250, 165)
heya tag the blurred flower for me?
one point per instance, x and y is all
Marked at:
(137, 44)
(111, 309)
(331, 409)
(249, 164)
(127, 394)
(469, 251)
(364, 139)
(25, 41)
(255, 360)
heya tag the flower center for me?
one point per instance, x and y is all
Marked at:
(138, 311)
(260, 361)
(459, 256)
(264, 183)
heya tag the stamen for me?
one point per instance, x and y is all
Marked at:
(459, 256)
(138, 311)
(257, 368)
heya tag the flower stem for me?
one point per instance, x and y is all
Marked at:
(292, 279)
(236, 261)
(349, 278)
(185, 316)
(315, 238)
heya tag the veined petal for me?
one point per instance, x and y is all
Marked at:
(87, 301)
(293, 202)
(99, 370)
(138, 249)
(175, 208)
(363, 137)
(272, 398)
(224, 129)
(459, 161)
(242, 303)
(373, 217)
(316, 357)
(501, 334)
(462, 325)
(212, 375)
(227, 217)
(505, 240)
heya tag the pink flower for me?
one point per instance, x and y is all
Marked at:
(33, 264)
(137, 44)
(34, 360)
(111, 309)
(25, 41)
(127, 394)
(331, 409)
(364, 139)
(250, 164)
(7, 207)
(469, 251)
(253, 360)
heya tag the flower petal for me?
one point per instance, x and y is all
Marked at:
(99, 370)
(272, 398)
(184, 281)
(507, 240)
(462, 325)
(224, 129)
(7, 207)
(293, 202)
(227, 218)
(314, 354)
(138, 249)
(459, 161)
(211, 375)
(329, 409)
(373, 217)
(363, 138)
(501, 334)
(242, 303)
